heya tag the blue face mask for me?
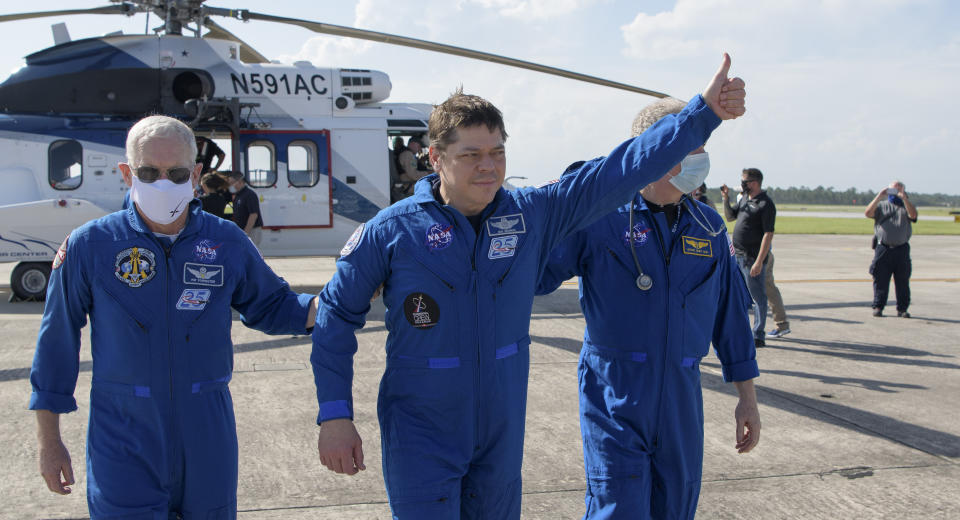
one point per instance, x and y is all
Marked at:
(895, 200)
(693, 171)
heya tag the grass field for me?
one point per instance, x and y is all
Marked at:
(922, 210)
(852, 226)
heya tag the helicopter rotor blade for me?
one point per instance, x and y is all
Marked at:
(107, 9)
(247, 53)
(350, 32)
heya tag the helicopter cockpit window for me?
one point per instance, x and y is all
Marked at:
(302, 169)
(65, 164)
(261, 164)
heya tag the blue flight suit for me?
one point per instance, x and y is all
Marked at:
(453, 395)
(161, 437)
(641, 408)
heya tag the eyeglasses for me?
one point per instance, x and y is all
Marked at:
(178, 175)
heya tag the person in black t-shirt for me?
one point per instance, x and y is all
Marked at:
(215, 194)
(246, 207)
(755, 214)
(206, 151)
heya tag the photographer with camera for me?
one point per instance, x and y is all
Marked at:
(892, 212)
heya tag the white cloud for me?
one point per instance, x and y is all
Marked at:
(534, 9)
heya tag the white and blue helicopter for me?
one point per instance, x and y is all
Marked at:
(312, 141)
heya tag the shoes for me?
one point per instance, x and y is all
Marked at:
(903, 314)
(778, 333)
(877, 313)
(759, 343)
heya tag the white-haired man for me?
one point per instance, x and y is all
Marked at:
(158, 280)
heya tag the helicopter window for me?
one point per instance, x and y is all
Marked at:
(261, 164)
(65, 164)
(302, 164)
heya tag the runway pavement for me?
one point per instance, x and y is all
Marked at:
(861, 415)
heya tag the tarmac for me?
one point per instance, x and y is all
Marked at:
(861, 416)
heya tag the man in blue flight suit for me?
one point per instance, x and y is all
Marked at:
(158, 281)
(459, 262)
(658, 284)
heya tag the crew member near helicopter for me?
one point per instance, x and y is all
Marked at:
(459, 262)
(658, 284)
(158, 281)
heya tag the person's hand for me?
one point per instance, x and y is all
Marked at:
(725, 96)
(724, 191)
(340, 447)
(902, 194)
(748, 425)
(54, 462)
(755, 269)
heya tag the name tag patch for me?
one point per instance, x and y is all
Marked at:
(193, 299)
(697, 246)
(506, 225)
(502, 247)
(200, 274)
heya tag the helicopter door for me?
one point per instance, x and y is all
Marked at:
(290, 172)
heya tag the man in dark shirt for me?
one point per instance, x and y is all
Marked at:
(246, 207)
(752, 237)
(206, 151)
(892, 212)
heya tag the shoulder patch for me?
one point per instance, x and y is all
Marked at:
(61, 253)
(353, 240)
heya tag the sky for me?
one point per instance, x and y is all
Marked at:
(840, 93)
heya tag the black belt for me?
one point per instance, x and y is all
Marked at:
(888, 246)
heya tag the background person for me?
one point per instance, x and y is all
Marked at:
(641, 405)
(775, 300)
(892, 214)
(246, 207)
(157, 281)
(756, 216)
(459, 262)
(215, 194)
(207, 151)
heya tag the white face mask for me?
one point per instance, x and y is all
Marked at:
(161, 201)
(693, 171)
(232, 189)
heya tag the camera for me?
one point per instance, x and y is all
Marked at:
(891, 191)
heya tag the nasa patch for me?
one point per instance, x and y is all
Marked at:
(193, 299)
(205, 250)
(200, 274)
(641, 233)
(506, 225)
(352, 241)
(421, 310)
(61, 254)
(135, 266)
(439, 236)
(502, 247)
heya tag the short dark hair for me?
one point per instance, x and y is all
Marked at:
(234, 175)
(754, 174)
(213, 181)
(462, 111)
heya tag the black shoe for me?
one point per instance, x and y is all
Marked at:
(759, 343)
(903, 314)
(877, 313)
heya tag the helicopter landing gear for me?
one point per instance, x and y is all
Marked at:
(29, 280)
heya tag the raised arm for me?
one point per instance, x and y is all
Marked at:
(729, 213)
(599, 186)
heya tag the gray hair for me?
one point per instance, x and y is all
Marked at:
(654, 112)
(152, 127)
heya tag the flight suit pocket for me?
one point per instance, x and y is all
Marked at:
(699, 314)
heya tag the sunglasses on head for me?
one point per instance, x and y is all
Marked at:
(178, 175)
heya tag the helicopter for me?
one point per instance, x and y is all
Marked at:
(311, 141)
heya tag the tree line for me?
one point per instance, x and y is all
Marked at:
(849, 197)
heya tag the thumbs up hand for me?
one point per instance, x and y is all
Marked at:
(725, 96)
